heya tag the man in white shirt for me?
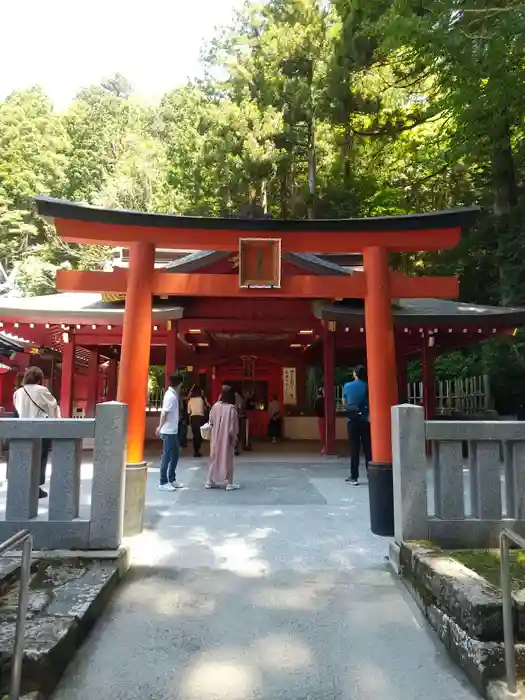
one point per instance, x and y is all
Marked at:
(168, 431)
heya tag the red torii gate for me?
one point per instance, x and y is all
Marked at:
(375, 238)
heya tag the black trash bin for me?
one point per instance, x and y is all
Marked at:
(381, 494)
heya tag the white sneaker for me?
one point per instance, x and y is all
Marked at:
(209, 485)
(175, 485)
(167, 487)
(232, 487)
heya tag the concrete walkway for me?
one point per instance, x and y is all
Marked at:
(274, 592)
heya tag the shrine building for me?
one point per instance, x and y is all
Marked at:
(252, 302)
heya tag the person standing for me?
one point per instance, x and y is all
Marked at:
(355, 399)
(224, 422)
(168, 431)
(240, 405)
(275, 421)
(183, 418)
(34, 400)
(319, 409)
(197, 417)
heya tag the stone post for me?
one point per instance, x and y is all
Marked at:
(23, 473)
(410, 473)
(109, 461)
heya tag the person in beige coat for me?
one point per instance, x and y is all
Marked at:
(34, 400)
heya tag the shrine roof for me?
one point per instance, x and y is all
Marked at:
(84, 308)
(427, 311)
(76, 307)
(192, 262)
(312, 262)
(9, 344)
(315, 263)
(62, 209)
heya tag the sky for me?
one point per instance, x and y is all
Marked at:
(64, 45)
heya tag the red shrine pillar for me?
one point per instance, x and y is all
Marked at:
(112, 380)
(380, 351)
(136, 342)
(330, 445)
(67, 378)
(92, 382)
(170, 366)
(428, 356)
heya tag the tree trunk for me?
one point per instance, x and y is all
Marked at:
(312, 170)
(505, 192)
(504, 175)
(263, 195)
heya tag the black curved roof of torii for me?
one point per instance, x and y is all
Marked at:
(62, 209)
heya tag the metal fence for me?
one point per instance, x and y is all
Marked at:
(471, 488)
(464, 395)
(155, 398)
(21, 539)
(506, 537)
(97, 524)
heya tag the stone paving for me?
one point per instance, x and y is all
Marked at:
(277, 591)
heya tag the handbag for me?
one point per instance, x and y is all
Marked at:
(206, 431)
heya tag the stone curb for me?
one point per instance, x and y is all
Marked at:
(465, 612)
(464, 596)
(54, 634)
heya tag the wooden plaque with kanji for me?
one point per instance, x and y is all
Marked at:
(259, 262)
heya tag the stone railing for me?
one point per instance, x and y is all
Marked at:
(67, 524)
(451, 499)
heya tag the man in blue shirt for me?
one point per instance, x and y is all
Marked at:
(355, 399)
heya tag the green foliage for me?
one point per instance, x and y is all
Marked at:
(34, 276)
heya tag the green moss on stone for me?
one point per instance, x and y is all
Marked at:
(426, 543)
(486, 563)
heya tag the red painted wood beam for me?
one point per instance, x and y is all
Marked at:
(88, 339)
(228, 240)
(208, 285)
(237, 325)
(249, 310)
(227, 286)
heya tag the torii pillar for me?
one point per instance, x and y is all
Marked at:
(133, 377)
(382, 385)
